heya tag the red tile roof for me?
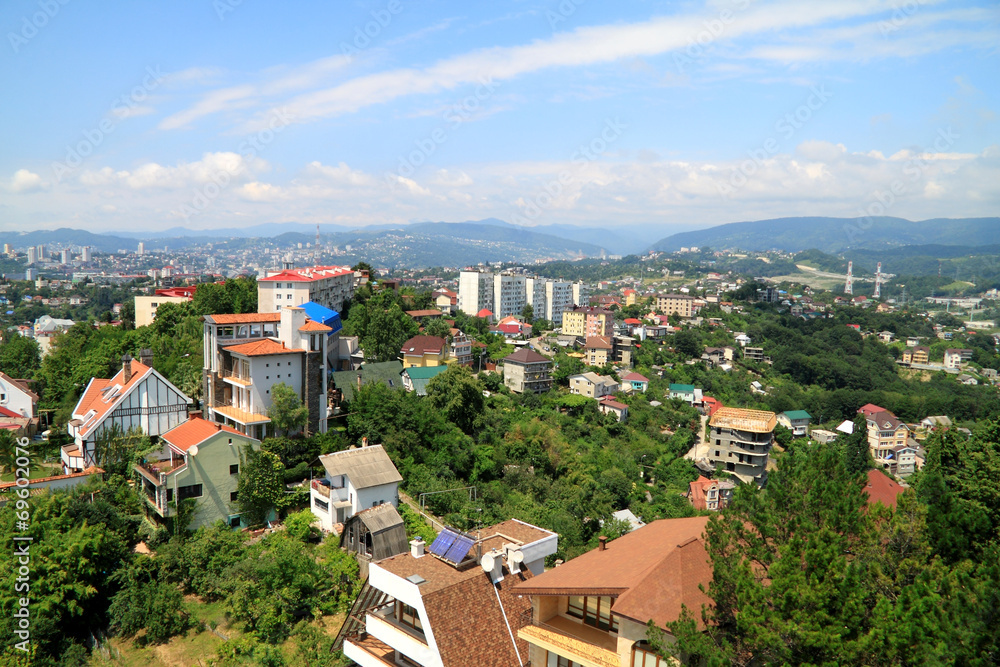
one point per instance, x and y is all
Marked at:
(635, 377)
(421, 345)
(881, 489)
(313, 325)
(868, 409)
(598, 343)
(259, 348)
(94, 397)
(243, 318)
(652, 571)
(195, 431)
(485, 312)
(308, 274)
(4, 412)
(696, 492)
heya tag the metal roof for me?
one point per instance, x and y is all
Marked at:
(364, 466)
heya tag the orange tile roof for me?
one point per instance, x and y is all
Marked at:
(881, 489)
(259, 348)
(651, 571)
(195, 431)
(94, 398)
(313, 325)
(696, 492)
(243, 318)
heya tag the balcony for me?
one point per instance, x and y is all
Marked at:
(320, 488)
(237, 378)
(239, 415)
(152, 470)
(578, 642)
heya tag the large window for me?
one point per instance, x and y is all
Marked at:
(595, 611)
(644, 656)
(408, 616)
(191, 491)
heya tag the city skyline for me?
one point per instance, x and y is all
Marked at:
(676, 114)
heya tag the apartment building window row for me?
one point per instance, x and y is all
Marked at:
(593, 611)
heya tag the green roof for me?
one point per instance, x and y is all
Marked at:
(385, 372)
(797, 414)
(682, 388)
(419, 377)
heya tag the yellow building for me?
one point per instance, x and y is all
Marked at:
(675, 304)
(631, 297)
(586, 322)
(424, 351)
(145, 307)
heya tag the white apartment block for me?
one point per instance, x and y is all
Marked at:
(328, 286)
(475, 292)
(506, 295)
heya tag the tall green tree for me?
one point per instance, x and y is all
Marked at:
(857, 454)
(437, 327)
(458, 395)
(260, 487)
(19, 356)
(287, 412)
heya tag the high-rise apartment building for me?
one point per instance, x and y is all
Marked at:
(32, 255)
(508, 294)
(475, 292)
(85, 254)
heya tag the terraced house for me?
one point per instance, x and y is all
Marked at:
(199, 460)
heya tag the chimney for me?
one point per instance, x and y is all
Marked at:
(417, 547)
(126, 368)
(602, 543)
(146, 357)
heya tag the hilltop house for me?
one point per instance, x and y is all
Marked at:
(686, 392)
(594, 609)
(741, 440)
(592, 385)
(200, 460)
(710, 494)
(423, 351)
(636, 381)
(918, 354)
(245, 355)
(609, 406)
(797, 421)
(355, 479)
(415, 378)
(137, 397)
(527, 371)
(887, 441)
(955, 358)
(435, 606)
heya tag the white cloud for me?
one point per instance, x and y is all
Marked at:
(25, 181)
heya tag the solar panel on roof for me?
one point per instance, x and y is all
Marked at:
(460, 549)
(443, 542)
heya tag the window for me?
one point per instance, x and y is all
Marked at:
(170, 495)
(408, 616)
(190, 491)
(321, 504)
(566, 662)
(644, 656)
(234, 468)
(277, 296)
(594, 611)
(234, 522)
(233, 496)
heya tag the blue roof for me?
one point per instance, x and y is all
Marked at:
(323, 315)
(682, 388)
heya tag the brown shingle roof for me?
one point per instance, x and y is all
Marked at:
(652, 571)
(420, 345)
(599, 343)
(526, 356)
(881, 489)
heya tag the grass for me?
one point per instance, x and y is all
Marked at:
(43, 470)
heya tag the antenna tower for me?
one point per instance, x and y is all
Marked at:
(878, 281)
(849, 285)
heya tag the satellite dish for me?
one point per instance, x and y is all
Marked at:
(193, 451)
(517, 556)
(487, 562)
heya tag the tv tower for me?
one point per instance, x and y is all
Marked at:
(878, 281)
(849, 285)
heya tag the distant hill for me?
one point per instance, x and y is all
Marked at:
(833, 235)
(100, 242)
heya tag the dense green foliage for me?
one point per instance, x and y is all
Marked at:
(805, 572)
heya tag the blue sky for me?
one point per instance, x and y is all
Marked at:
(219, 114)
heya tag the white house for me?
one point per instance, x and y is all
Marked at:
(16, 397)
(136, 397)
(356, 479)
(451, 603)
